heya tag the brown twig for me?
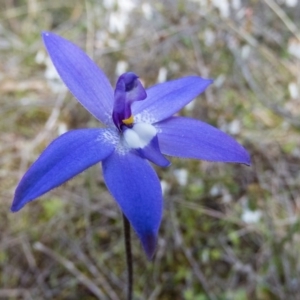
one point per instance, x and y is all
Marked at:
(67, 264)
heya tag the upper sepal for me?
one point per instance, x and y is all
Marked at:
(65, 157)
(81, 75)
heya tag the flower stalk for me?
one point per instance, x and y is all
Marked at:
(129, 262)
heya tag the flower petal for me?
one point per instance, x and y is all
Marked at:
(165, 99)
(153, 153)
(81, 75)
(65, 157)
(128, 89)
(136, 187)
(189, 138)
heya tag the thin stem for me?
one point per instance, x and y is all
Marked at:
(128, 257)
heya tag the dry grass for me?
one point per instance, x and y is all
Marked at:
(231, 232)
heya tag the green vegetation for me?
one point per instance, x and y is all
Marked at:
(232, 232)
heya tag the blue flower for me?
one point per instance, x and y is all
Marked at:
(140, 127)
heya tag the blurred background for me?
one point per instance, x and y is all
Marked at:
(229, 231)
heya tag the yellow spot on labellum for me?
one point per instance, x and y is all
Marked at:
(128, 121)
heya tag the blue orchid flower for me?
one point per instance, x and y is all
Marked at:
(140, 127)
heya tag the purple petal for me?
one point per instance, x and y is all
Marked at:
(81, 75)
(189, 138)
(128, 89)
(153, 153)
(65, 157)
(165, 99)
(135, 186)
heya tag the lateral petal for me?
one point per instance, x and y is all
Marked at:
(136, 188)
(67, 156)
(81, 75)
(165, 99)
(153, 153)
(190, 138)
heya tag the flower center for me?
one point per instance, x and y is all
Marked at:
(128, 121)
(142, 138)
(140, 135)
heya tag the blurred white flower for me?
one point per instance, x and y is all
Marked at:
(181, 176)
(40, 57)
(121, 67)
(234, 127)
(118, 22)
(293, 89)
(108, 4)
(191, 105)
(219, 81)
(62, 128)
(223, 7)
(291, 3)
(162, 75)
(126, 5)
(251, 216)
(209, 37)
(165, 187)
(147, 11)
(215, 190)
(236, 4)
(294, 47)
(246, 50)
(119, 18)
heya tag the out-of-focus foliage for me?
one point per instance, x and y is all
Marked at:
(229, 232)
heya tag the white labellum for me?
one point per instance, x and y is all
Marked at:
(139, 135)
